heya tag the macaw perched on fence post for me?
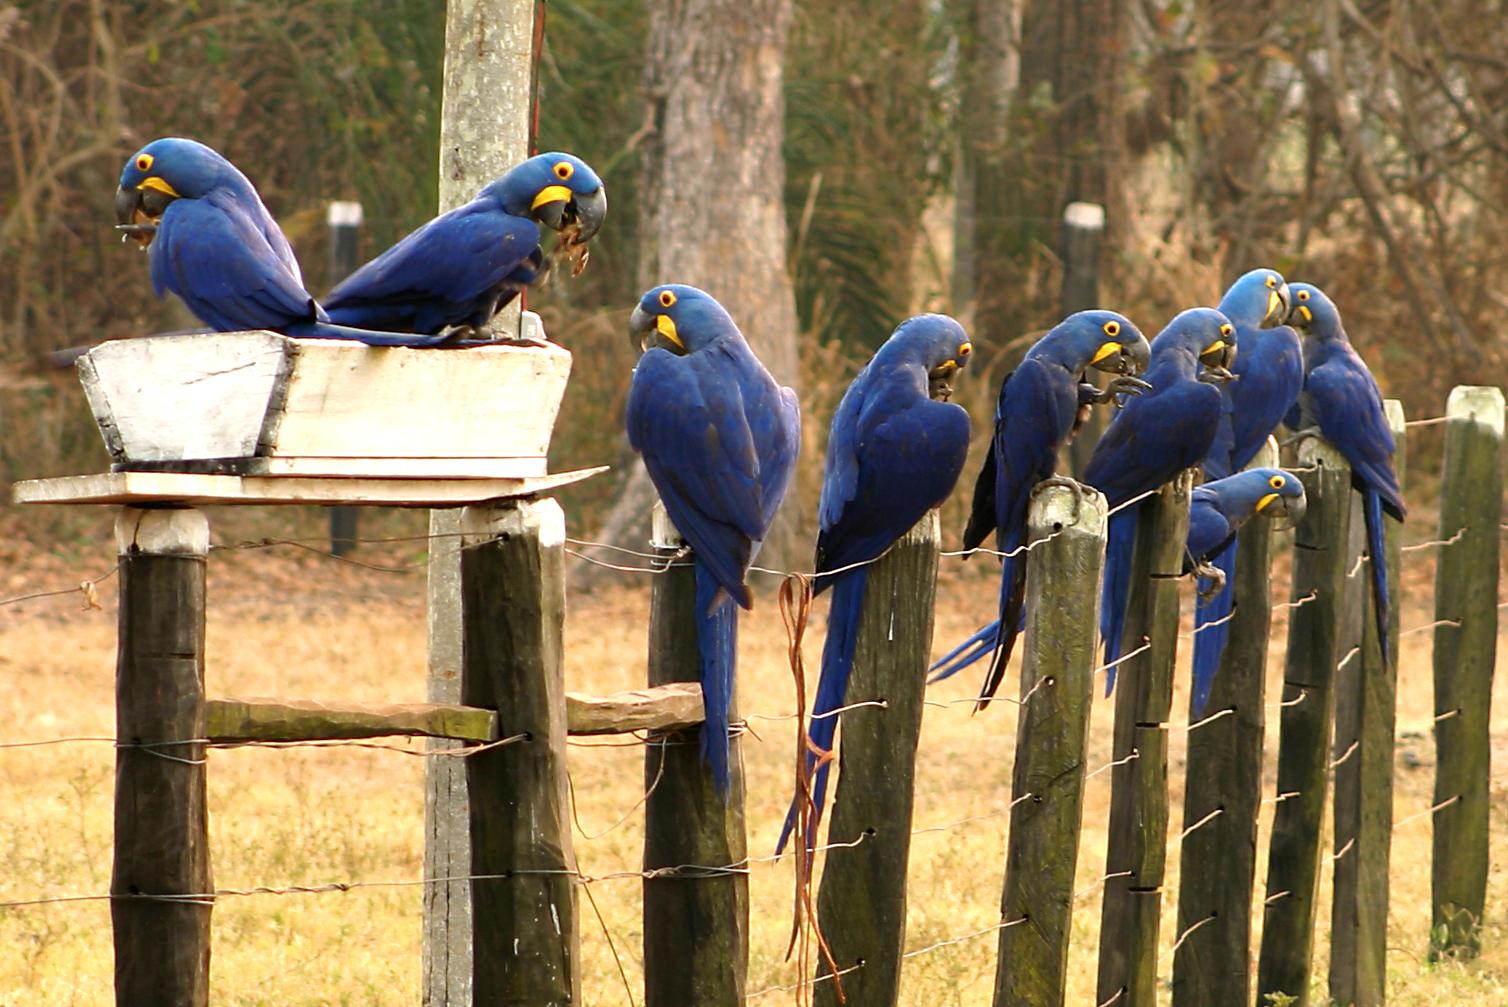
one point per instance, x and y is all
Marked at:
(1038, 410)
(719, 438)
(895, 452)
(1342, 403)
(1155, 437)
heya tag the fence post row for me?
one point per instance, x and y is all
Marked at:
(861, 905)
(1224, 778)
(1138, 830)
(1466, 579)
(696, 926)
(1052, 728)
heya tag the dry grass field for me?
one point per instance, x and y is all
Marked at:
(287, 623)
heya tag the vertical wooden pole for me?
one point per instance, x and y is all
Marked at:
(484, 130)
(161, 819)
(344, 220)
(1365, 701)
(1137, 854)
(1319, 568)
(696, 926)
(1052, 728)
(525, 946)
(1466, 583)
(1224, 778)
(1083, 231)
(862, 901)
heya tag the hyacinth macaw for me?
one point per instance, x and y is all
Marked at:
(1269, 372)
(1341, 401)
(895, 451)
(719, 438)
(1155, 437)
(461, 267)
(1036, 413)
(1216, 511)
(211, 241)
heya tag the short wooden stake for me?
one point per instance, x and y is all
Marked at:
(861, 904)
(1137, 854)
(1320, 566)
(1224, 778)
(523, 899)
(1466, 592)
(1047, 791)
(1365, 701)
(696, 924)
(161, 818)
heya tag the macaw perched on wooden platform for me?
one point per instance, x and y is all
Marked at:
(1269, 373)
(895, 452)
(1216, 511)
(719, 438)
(1038, 410)
(1342, 403)
(1154, 438)
(456, 271)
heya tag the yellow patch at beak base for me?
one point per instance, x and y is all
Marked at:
(156, 182)
(551, 194)
(1304, 310)
(1104, 351)
(1214, 347)
(666, 328)
(1274, 302)
(1262, 503)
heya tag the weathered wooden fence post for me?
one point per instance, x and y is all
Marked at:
(696, 924)
(1138, 841)
(161, 819)
(1218, 858)
(1466, 583)
(1365, 703)
(1083, 231)
(344, 220)
(862, 901)
(1047, 790)
(1319, 568)
(523, 902)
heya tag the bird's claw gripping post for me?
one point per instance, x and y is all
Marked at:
(1078, 489)
(1215, 576)
(1216, 376)
(1299, 436)
(1125, 384)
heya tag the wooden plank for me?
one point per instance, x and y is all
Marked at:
(202, 490)
(1365, 705)
(1293, 854)
(310, 720)
(445, 466)
(861, 905)
(525, 945)
(667, 707)
(161, 819)
(1047, 791)
(696, 928)
(1224, 778)
(1137, 852)
(1466, 592)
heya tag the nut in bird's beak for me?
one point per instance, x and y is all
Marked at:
(1286, 509)
(940, 380)
(577, 218)
(133, 217)
(647, 331)
(1217, 358)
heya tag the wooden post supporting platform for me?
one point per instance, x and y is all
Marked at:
(1213, 965)
(1137, 854)
(1052, 727)
(525, 944)
(696, 926)
(1319, 568)
(161, 819)
(1466, 592)
(1083, 235)
(861, 904)
(1365, 701)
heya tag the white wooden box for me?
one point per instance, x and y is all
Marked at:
(259, 403)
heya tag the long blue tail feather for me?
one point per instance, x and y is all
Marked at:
(370, 337)
(832, 685)
(717, 645)
(966, 653)
(1377, 547)
(1212, 628)
(1118, 547)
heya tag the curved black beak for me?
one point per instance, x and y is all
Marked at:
(581, 214)
(1288, 511)
(940, 380)
(131, 217)
(1279, 303)
(641, 329)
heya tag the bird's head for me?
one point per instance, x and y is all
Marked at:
(1104, 340)
(1275, 493)
(939, 343)
(1313, 311)
(1259, 298)
(561, 191)
(159, 173)
(1206, 334)
(678, 318)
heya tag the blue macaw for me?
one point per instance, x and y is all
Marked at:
(1216, 511)
(212, 242)
(1038, 409)
(1269, 373)
(1155, 437)
(461, 267)
(1342, 401)
(895, 452)
(719, 438)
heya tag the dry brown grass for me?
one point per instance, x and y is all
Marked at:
(283, 623)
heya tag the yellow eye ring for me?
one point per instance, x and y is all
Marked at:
(1303, 295)
(144, 162)
(1112, 329)
(564, 170)
(1276, 482)
(964, 349)
(1272, 283)
(667, 299)
(1227, 329)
